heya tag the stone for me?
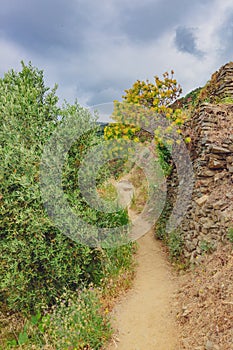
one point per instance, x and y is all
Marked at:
(201, 201)
(209, 224)
(190, 246)
(218, 149)
(206, 173)
(220, 204)
(211, 346)
(229, 160)
(219, 176)
(216, 164)
(230, 169)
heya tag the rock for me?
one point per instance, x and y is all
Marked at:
(218, 149)
(216, 164)
(230, 160)
(230, 169)
(211, 346)
(209, 224)
(190, 246)
(202, 200)
(221, 204)
(186, 311)
(219, 176)
(206, 173)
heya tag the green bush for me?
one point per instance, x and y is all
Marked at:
(165, 159)
(77, 321)
(160, 227)
(37, 261)
(175, 245)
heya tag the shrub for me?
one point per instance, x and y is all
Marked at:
(175, 245)
(155, 97)
(79, 323)
(37, 261)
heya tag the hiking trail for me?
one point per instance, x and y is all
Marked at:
(142, 318)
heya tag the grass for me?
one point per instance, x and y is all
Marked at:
(230, 234)
(78, 321)
(227, 100)
(139, 181)
(107, 191)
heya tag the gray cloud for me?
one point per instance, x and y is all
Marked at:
(225, 34)
(42, 26)
(150, 19)
(96, 50)
(185, 41)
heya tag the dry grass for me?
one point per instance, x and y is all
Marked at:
(139, 181)
(206, 303)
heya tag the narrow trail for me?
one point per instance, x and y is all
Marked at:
(142, 319)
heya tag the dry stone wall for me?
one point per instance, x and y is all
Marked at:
(224, 81)
(211, 212)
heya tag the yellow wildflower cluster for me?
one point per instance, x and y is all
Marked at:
(154, 97)
(119, 131)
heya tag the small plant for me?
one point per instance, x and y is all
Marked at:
(175, 245)
(108, 192)
(230, 234)
(206, 247)
(160, 228)
(164, 159)
(28, 333)
(79, 323)
(227, 99)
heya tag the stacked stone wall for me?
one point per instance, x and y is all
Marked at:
(210, 214)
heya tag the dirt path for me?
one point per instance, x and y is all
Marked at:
(142, 319)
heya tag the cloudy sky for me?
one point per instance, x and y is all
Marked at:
(96, 49)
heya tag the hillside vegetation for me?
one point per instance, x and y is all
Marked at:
(55, 291)
(50, 285)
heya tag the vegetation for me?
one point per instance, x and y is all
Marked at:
(175, 245)
(230, 234)
(45, 275)
(155, 97)
(152, 99)
(206, 247)
(189, 101)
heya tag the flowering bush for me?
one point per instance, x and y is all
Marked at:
(154, 97)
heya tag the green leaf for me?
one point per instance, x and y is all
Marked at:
(35, 318)
(23, 338)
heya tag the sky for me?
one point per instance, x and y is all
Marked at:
(94, 50)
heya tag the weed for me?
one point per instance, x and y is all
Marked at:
(206, 247)
(79, 323)
(160, 228)
(108, 191)
(175, 244)
(227, 99)
(230, 234)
